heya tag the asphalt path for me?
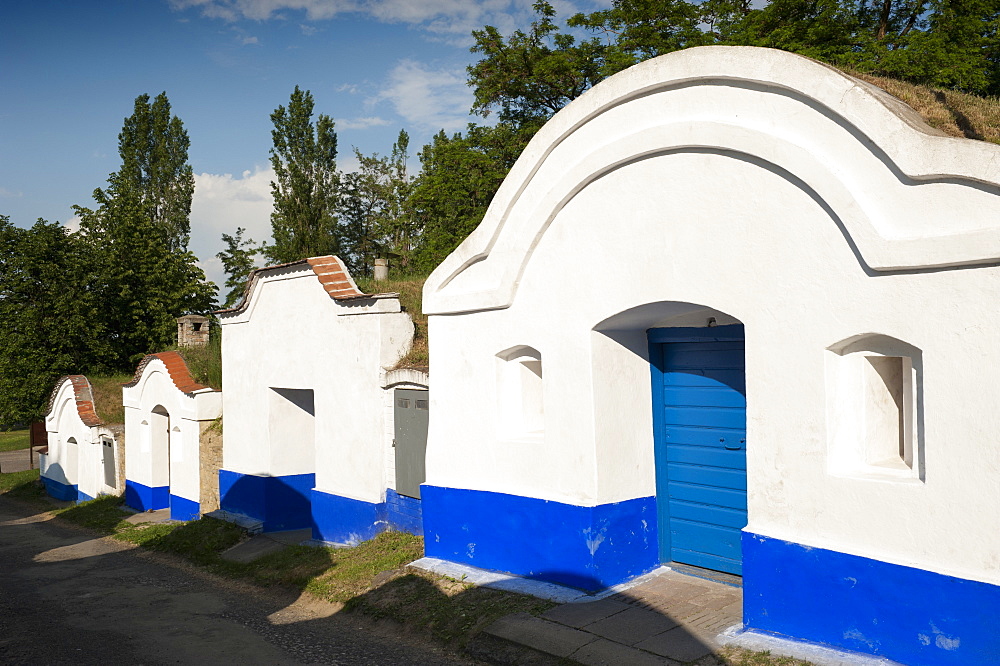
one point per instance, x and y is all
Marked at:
(68, 597)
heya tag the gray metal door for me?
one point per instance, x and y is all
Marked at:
(410, 416)
(110, 475)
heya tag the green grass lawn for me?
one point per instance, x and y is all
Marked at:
(12, 440)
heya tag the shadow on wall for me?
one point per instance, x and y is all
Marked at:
(280, 503)
(277, 502)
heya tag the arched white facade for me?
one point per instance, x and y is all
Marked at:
(303, 356)
(821, 224)
(167, 417)
(83, 458)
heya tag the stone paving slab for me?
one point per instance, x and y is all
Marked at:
(680, 644)
(542, 635)
(253, 549)
(668, 619)
(632, 626)
(158, 516)
(581, 614)
(608, 653)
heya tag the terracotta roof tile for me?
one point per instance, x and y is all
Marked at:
(329, 270)
(176, 368)
(335, 279)
(83, 394)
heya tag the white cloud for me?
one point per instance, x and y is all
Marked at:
(429, 98)
(250, 40)
(4, 192)
(223, 202)
(361, 123)
(449, 17)
(73, 224)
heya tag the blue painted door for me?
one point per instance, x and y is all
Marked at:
(699, 393)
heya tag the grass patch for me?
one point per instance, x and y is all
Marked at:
(411, 294)
(452, 611)
(353, 570)
(736, 656)
(22, 485)
(107, 390)
(14, 440)
(205, 363)
(954, 113)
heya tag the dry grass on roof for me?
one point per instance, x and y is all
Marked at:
(107, 391)
(954, 113)
(411, 292)
(205, 363)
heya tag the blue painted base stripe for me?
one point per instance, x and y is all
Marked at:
(344, 520)
(909, 615)
(584, 547)
(279, 502)
(404, 514)
(82, 496)
(60, 491)
(184, 509)
(144, 498)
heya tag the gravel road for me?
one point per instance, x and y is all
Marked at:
(67, 597)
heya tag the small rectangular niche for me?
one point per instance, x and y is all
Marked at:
(521, 413)
(873, 414)
(292, 430)
(888, 403)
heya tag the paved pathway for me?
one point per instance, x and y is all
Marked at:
(16, 461)
(671, 619)
(67, 597)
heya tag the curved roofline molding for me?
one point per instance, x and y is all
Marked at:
(910, 151)
(177, 370)
(329, 270)
(83, 395)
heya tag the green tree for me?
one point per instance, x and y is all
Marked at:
(529, 76)
(376, 220)
(943, 43)
(154, 149)
(238, 262)
(459, 176)
(304, 158)
(52, 321)
(143, 276)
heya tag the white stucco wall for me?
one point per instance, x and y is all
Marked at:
(770, 189)
(293, 335)
(75, 450)
(160, 418)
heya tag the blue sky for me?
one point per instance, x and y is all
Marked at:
(71, 70)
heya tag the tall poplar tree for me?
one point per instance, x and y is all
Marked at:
(154, 149)
(145, 277)
(305, 189)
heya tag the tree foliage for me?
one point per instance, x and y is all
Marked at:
(304, 158)
(238, 262)
(527, 77)
(143, 276)
(459, 176)
(530, 75)
(154, 146)
(50, 313)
